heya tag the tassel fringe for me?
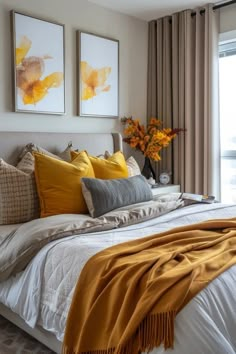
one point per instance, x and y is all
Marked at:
(152, 332)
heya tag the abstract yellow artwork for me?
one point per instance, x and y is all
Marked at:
(93, 80)
(38, 65)
(98, 75)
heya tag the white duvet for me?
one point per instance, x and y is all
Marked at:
(42, 293)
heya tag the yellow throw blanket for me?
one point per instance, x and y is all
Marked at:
(128, 295)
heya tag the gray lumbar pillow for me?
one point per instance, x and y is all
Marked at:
(102, 196)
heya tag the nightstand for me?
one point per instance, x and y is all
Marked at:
(168, 188)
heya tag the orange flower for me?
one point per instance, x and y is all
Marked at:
(29, 71)
(93, 81)
(149, 140)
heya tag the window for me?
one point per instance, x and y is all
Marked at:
(227, 71)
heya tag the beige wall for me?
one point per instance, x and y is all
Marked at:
(228, 18)
(77, 14)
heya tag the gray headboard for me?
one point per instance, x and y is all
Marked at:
(11, 143)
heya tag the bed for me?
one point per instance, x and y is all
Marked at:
(207, 323)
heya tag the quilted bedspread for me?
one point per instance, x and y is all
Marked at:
(206, 325)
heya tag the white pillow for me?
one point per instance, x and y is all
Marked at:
(133, 167)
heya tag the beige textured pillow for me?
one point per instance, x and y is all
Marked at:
(36, 148)
(26, 164)
(133, 167)
(64, 155)
(18, 196)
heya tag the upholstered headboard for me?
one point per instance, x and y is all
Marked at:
(11, 143)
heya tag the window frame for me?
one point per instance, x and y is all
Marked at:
(227, 47)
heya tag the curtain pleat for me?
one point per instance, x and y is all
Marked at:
(184, 67)
(213, 179)
(152, 70)
(199, 107)
(189, 102)
(166, 107)
(206, 99)
(176, 104)
(159, 54)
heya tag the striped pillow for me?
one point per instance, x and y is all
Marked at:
(18, 196)
(26, 164)
(133, 167)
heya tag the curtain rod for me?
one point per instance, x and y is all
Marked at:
(223, 4)
(217, 7)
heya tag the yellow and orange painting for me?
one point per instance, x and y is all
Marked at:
(30, 81)
(93, 81)
(98, 75)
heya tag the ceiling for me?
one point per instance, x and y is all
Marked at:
(150, 9)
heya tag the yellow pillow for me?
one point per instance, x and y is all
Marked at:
(59, 186)
(113, 167)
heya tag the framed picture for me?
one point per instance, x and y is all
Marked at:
(38, 64)
(98, 68)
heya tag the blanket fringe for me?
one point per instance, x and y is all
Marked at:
(152, 332)
(157, 329)
(66, 350)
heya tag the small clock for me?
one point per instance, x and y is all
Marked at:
(164, 178)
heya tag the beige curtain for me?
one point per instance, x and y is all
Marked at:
(183, 93)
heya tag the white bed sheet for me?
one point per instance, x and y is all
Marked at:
(42, 293)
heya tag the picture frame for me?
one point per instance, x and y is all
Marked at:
(98, 75)
(38, 47)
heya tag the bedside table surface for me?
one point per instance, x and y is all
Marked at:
(166, 188)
